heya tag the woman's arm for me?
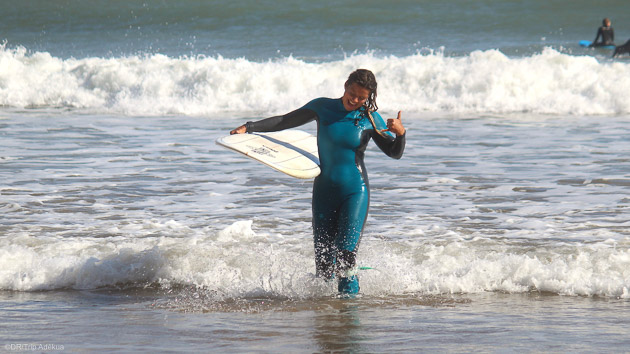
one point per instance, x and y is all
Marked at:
(392, 147)
(290, 120)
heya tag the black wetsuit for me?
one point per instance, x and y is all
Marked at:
(607, 34)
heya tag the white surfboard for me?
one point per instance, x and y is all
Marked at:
(293, 152)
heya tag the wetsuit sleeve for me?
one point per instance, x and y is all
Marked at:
(600, 33)
(290, 120)
(392, 147)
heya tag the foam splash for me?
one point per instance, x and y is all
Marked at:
(238, 263)
(473, 266)
(482, 82)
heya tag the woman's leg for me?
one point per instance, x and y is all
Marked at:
(325, 216)
(352, 217)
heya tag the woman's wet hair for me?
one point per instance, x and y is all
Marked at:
(365, 78)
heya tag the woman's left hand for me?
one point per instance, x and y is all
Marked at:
(395, 125)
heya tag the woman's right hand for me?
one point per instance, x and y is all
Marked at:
(240, 130)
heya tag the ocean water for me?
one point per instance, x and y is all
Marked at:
(123, 227)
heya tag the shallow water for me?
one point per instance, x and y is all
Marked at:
(489, 322)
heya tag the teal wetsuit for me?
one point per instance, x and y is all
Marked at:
(341, 192)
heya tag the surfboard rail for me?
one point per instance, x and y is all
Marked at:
(585, 43)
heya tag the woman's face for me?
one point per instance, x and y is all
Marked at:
(354, 97)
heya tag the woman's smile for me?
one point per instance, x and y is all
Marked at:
(354, 97)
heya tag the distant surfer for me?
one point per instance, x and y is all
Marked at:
(606, 33)
(341, 192)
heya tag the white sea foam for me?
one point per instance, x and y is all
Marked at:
(481, 82)
(277, 266)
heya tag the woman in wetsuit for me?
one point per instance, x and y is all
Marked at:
(341, 192)
(607, 34)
